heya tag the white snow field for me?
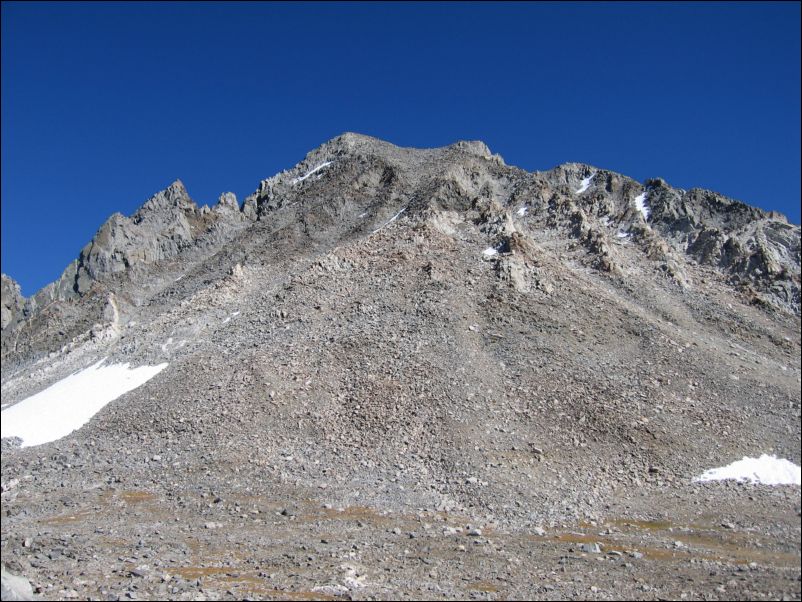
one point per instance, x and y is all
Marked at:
(767, 470)
(70, 403)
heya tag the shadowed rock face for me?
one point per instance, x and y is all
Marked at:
(753, 247)
(385, 344)
(12, 302)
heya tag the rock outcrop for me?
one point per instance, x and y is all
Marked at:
(15, 587)
(13, 302)
(758, 250)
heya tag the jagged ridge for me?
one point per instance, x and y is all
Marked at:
(757, 251)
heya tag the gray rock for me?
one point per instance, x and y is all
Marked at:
(227, 202)
(16, 587)
(13, 302)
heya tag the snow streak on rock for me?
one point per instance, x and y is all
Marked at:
(313, 171)
(585, 184)
(640, 203)
(389, 221)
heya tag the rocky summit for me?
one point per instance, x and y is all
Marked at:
(397, 373)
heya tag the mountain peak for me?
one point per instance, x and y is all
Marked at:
(474, 147)
(354, 143)
(175, 196)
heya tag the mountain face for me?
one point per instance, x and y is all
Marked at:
(756, 252)
(388, 354)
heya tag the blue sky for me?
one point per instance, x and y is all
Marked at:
(105, 104)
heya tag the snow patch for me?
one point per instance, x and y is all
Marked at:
(313, 171)
(640, 203)
(522, 211)
(489, 252)
(622, 234)
(585, 184)
(71, 402)
(768, 470)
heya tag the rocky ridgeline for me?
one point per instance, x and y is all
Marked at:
(166, 226)
(758, 250)
(755, 251)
